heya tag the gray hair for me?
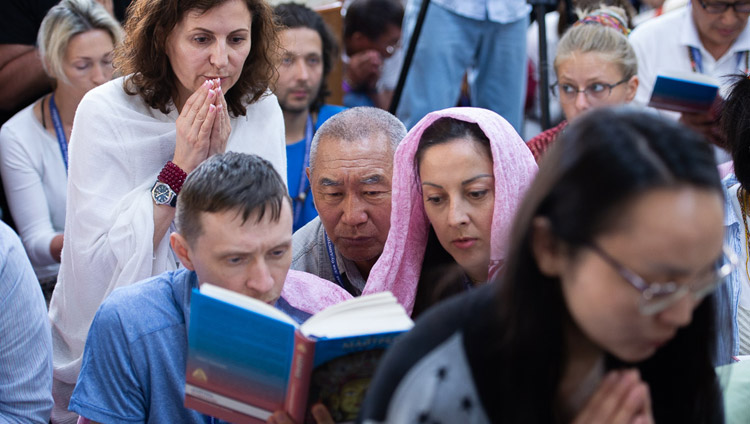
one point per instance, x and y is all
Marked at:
(596, 38)
(63, 22)
(357, 124)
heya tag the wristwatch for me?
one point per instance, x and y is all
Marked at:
(163, 194)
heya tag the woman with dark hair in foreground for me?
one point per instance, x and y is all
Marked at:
(605, 310)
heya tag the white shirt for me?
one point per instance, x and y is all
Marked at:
(501, 11)
(34, 178)
(117, 149)
(661, 44)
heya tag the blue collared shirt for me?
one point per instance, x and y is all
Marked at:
(728, 295)
(134, 362)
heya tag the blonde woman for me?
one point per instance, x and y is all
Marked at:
(595, 66)
(76, 41)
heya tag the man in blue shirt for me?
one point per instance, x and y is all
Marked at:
(25, 338)
(308, 49)
(234, 230)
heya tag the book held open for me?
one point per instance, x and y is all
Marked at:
(690, 92)
(247, 359)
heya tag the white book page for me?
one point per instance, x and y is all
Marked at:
(372, 314)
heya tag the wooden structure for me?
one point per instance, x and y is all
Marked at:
(331, 13)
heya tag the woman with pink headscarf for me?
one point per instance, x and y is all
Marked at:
(458, 177)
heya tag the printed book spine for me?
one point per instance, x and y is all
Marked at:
(299, 379)
(221, 407)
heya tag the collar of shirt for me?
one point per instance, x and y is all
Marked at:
(689, 37)
(730, 218)
(349, 269)
(184, 302)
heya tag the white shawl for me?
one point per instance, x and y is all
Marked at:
(118, 146)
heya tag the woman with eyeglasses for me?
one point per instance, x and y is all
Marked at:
(604, 313)
(595, 66)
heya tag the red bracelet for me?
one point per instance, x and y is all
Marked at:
(173, 176)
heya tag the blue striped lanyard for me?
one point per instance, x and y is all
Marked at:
(332, 258)
(696, 60)
(59, 130)
(302, 192)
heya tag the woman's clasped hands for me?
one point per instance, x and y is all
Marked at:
(621, 398)
(203, 126)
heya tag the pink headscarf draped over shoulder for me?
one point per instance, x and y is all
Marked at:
(399, 266)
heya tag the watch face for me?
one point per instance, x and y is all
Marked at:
(162, 193)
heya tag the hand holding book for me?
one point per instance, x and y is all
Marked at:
(318, 411)
(247, 360)
(707, 123)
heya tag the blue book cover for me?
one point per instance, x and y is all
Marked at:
(247, 360)
(684, 92)
(238, 354)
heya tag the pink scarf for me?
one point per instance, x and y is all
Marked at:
(399, 266)
(310, 293)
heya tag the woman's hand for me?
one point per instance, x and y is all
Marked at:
(621, 398)
(222, 128)
(319, 412)
(195, 127)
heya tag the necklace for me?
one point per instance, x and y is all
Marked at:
(742, 198)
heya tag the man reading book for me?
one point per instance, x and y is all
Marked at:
(234, 230)
(709, 37)
(351, 166)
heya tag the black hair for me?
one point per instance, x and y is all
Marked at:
(602, 162)
(292, 15)
(229, 181)
(372, 17)
(735, 121)
(447, 129)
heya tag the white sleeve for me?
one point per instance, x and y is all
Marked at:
(21, 162)
(116, 153)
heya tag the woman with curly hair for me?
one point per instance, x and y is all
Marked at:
(195, 83)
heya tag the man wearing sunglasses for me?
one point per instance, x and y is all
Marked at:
(709, 37)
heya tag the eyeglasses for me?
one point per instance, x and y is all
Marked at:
(656, 297)
(721, 7)
(391, 48)
(598, 91)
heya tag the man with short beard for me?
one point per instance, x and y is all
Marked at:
(308, 49)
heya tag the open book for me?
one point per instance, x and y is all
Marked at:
(684, 92)
(247, 359)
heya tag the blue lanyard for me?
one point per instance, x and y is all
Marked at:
(332, 258)
(59, 130)
(697, 59)
(302, 195)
